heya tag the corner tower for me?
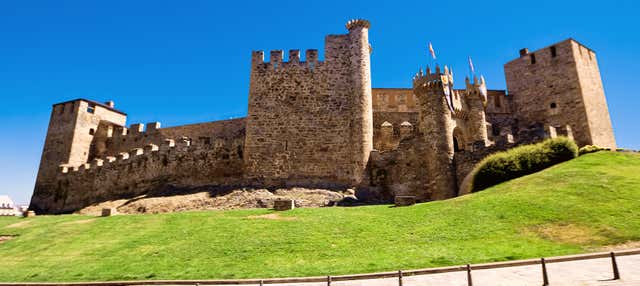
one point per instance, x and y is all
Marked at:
(561, 85)
(72, 126)
(434, 91)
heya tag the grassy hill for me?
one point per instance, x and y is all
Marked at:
(577, 206)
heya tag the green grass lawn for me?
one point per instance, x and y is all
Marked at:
(577, 206)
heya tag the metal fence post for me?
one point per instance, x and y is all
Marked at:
(261, 282)
(399, 277)
(545, 278)
(614, 264)
(329, 280)
(469, 281)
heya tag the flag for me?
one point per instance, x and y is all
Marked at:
(471, 66)
(433, 53)
(483, 89)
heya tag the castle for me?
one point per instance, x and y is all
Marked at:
(318, 123)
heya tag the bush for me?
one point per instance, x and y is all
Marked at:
(589, 149)
(521, 161)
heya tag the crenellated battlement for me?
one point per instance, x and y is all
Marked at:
(135, 129)
(134, 154)
(276, 60)
(357, 23)
(431, 79)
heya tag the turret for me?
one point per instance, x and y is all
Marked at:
(362, 122)
(434, 91)
(475, 103)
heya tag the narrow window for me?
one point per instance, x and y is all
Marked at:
(497, 101)
(553, 51)
(62, 108)
(533, 58)
(91, 108)
(456, 147)
(553, 105)
(92, 131)
(286, 145)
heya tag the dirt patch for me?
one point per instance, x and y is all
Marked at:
(567, 233)
(273, 216)
(4, 238)
(82, 221)
(621, 246)
(233, 199)
(19, 224)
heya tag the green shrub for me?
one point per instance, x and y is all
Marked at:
(522, 160)
(589, 149)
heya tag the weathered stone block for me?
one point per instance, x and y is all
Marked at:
(284, 204)
(29, 214)
(109, 212)
(403, 201)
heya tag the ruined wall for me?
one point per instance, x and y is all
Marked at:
(559, 85)
(401, 172)
(310, 121)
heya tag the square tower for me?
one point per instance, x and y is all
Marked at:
(311, 122)
(560, 85)
(70, 134)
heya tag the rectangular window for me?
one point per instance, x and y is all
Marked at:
(553, 52)
(91, 108)
(497, 101)
(533, 58)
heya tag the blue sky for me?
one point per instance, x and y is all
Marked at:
(181, 62)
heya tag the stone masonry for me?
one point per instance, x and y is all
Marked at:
(318, 123)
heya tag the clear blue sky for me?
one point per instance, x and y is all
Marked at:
(182, 62)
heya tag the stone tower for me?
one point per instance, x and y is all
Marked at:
(475, 98)
(362, 99)
(72, 126)
(435, 106)
(560, 85)
(310, 122)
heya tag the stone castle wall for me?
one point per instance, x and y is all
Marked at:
(123, 139)
(149, 170)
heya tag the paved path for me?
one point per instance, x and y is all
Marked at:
(583, 272)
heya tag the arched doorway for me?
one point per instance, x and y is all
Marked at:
(458, 140)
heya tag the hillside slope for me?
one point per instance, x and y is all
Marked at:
(577, 206)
